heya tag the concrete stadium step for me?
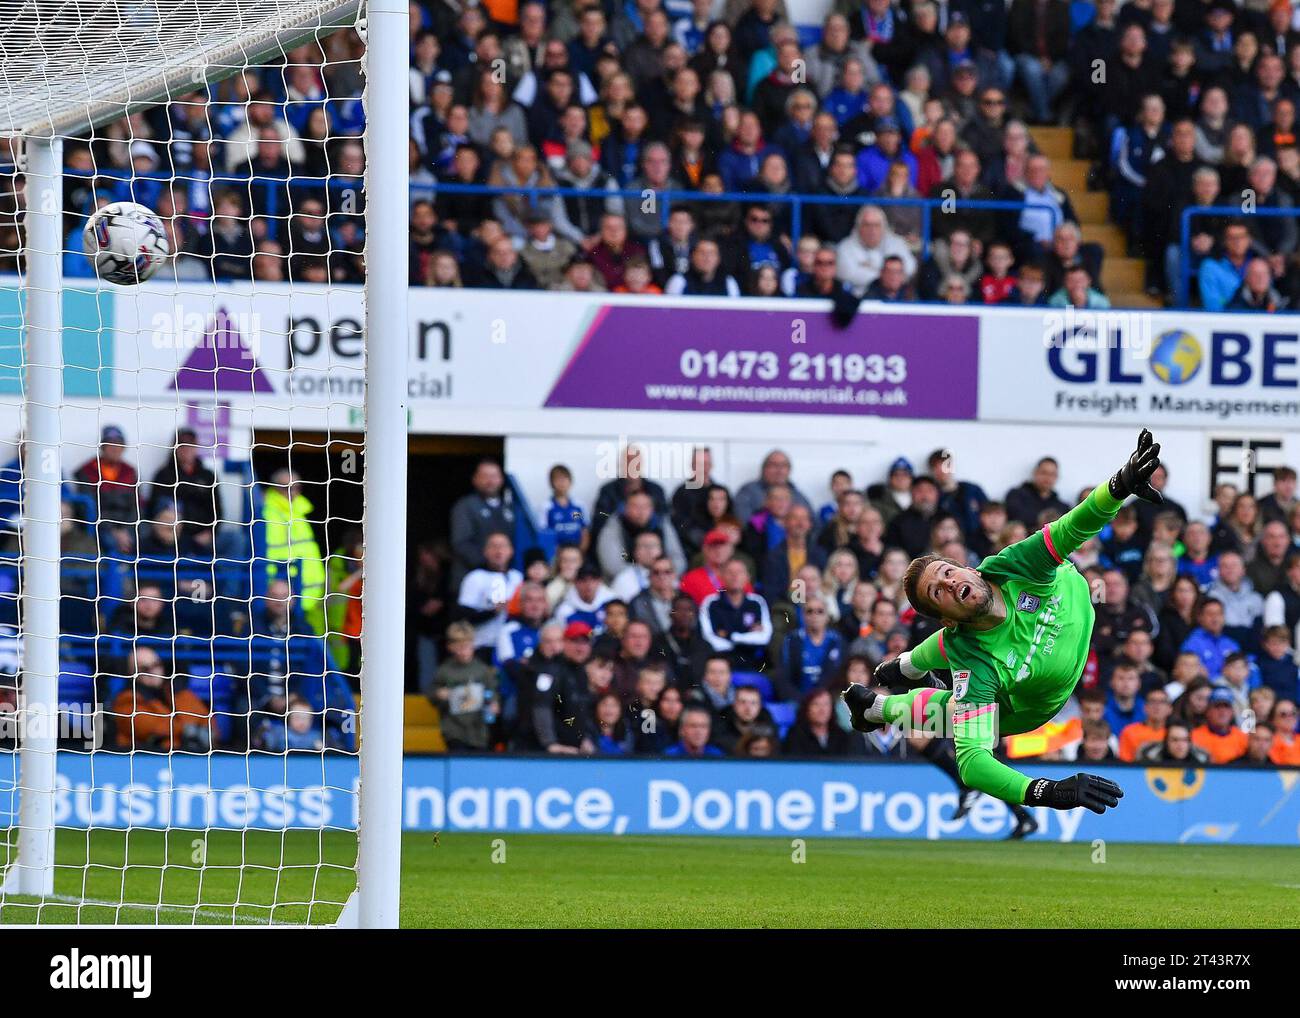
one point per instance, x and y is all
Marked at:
(1131, 299)
(1091, 207)
(1108, 235)
(423, 739)
(1123, 274)
(422, 732)
(419, 711)
(1071, 176)
(1056, 142)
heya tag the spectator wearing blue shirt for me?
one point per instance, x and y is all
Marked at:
(849, 98)
(1243, 605)
(1134, 150)
(615, 734)
(841, 481)
(875, 160)
(562, 515)
(1208, 641)
(301, 729)
(1221, 276)
(519, 637)
(693, 732)
(585, 602)
(1122, 547)
(739, 164)
(810, 654)
(963, 500)
(764, 529)
(1123, 706)
(1276, 663)
(1197, 561)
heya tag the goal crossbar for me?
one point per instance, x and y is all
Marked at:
(61, 66)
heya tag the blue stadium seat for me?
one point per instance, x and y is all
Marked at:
(76, 683)
(755, 680)
(784, 715)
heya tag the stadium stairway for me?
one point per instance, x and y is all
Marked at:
(1121, 276)
(422, 732)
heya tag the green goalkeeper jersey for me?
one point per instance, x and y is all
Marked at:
(1026, 667)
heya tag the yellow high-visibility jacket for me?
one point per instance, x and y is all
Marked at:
(290, 538)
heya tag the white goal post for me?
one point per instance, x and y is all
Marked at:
(67, 68)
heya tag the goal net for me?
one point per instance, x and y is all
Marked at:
(183, 481)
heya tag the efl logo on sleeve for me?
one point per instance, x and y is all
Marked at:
(960, 684)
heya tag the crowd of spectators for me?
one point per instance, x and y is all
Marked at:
(187, 630)
(881, 102)
(720, 620)
(1176, 102)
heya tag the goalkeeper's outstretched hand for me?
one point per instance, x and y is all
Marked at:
(889, 674)
(1089, 790)
(1134, 477)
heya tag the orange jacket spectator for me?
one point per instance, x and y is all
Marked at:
(503, 12)
(1135, 736)
(1222, 748)
(152, 717)
(1285, 754)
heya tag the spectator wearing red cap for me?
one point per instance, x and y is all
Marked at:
(577, 631)
(706, 580)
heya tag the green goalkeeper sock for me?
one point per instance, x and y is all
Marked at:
(918, 709)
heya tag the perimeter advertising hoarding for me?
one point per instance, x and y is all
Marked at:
(623, 796)
(269, 346)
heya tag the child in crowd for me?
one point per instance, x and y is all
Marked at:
(464, 690)
(1276, 663)
(997, 284)
(562, 514)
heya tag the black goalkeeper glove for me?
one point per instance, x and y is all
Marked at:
(890, 675)
(1090, 790)
(1134, 477)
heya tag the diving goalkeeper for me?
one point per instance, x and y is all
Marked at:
(1015, 636)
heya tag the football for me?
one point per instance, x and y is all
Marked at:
(126, 242)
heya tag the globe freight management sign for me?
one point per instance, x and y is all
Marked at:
(1159, 368)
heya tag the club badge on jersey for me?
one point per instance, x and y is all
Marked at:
(1028, 603)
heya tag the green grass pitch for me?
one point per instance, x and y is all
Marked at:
(473, 880)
